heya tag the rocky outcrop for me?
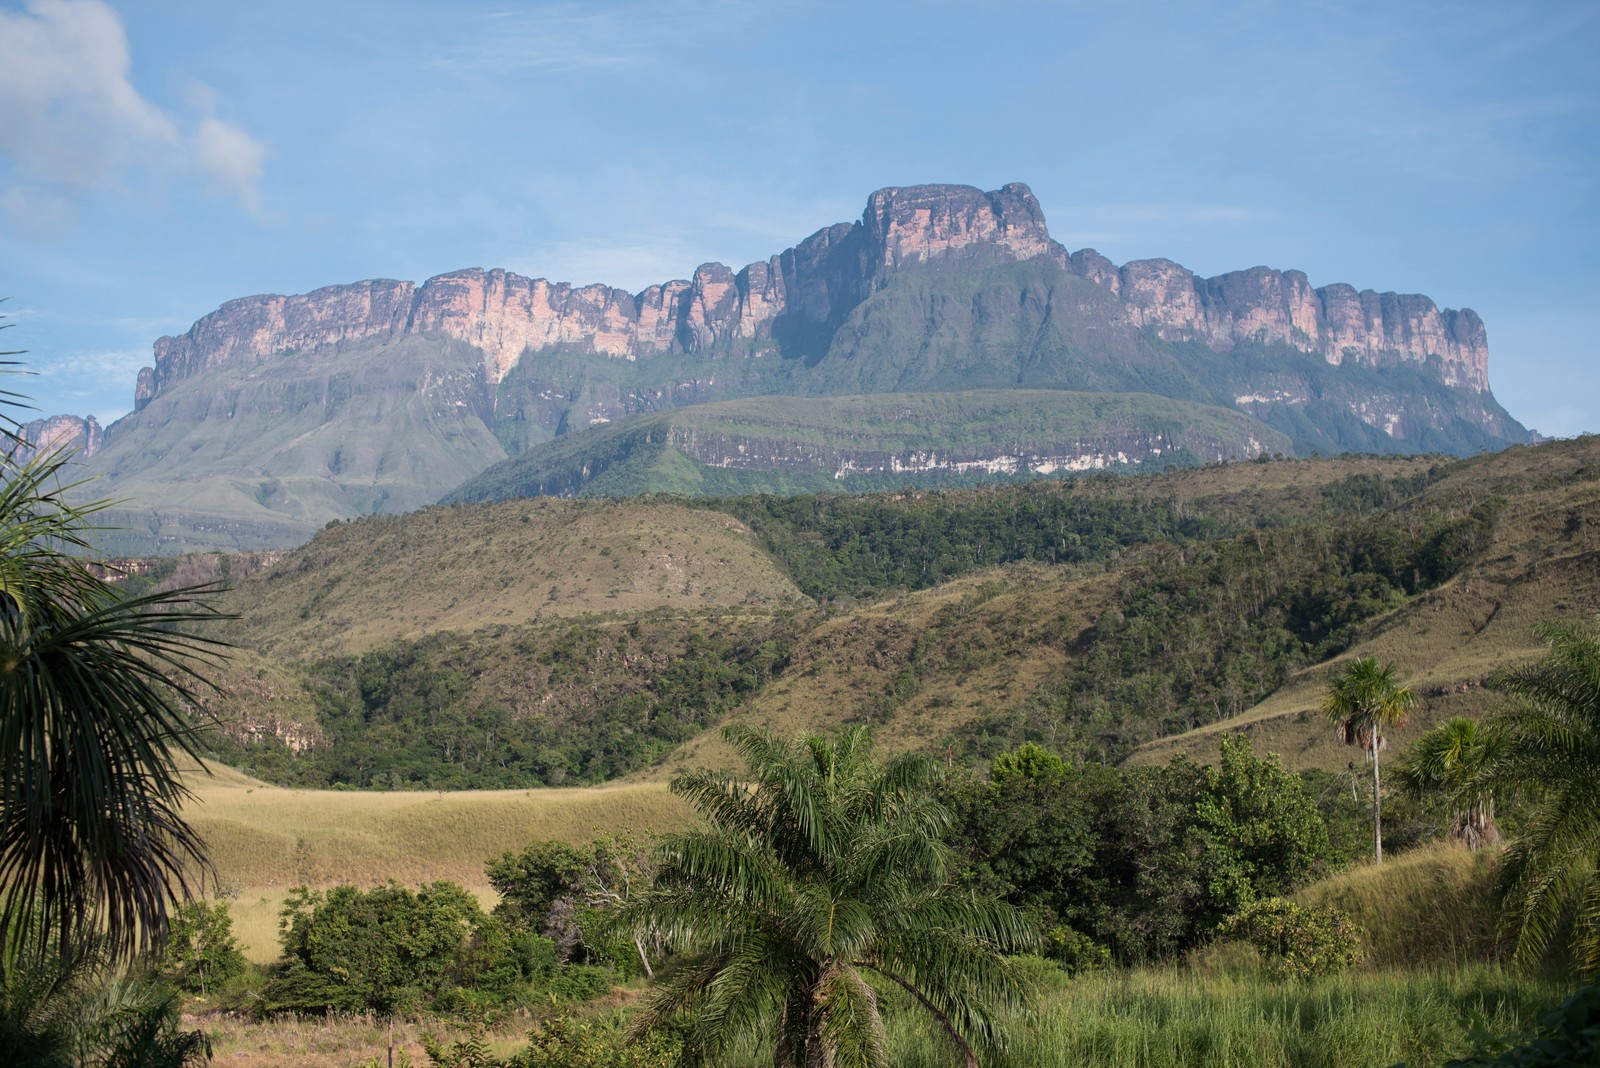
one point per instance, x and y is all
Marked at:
(1108, 448)
(797, 299)
(1280, 307)
(60, 433)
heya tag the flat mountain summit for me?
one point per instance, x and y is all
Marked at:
(274, 414)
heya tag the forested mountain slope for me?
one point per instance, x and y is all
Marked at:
(1109, 617)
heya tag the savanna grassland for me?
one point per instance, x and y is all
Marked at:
(266, 839)
(415, 695)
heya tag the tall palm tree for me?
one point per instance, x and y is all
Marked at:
(1452, 759)
(1551, 873)
(92, 688)
(820, 873)
(1363, 701)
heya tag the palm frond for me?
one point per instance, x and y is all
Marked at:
(849, 1024)
(93, 686)
(821, 862)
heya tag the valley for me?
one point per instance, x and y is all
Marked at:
(1110, 618)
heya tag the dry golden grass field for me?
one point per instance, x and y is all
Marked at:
(265, 840)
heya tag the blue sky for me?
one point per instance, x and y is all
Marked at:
(159, 158)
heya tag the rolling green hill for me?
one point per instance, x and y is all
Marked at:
(361, 585)
(878, 442)
(544, 641)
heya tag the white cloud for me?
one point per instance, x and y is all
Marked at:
(230, 156)
(98, 366)
(71, 119)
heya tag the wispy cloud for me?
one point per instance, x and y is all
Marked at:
(566, 38)
(71, 119)
(97, 367)
(1088, 225)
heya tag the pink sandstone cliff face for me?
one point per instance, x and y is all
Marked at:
(815, 284)
(1265, 305)
(60, 433)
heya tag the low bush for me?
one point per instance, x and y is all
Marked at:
(200, 953)
(1297, 941)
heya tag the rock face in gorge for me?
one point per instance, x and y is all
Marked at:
(274, 414)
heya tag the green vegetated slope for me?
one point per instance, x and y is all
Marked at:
(498, 645)
(545, 642)
(262, 455)
(877, 442)
(1441, 572)
(359, 585)
(1543, 562)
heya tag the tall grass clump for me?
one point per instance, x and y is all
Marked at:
(1434, 906)
(1173, 1018)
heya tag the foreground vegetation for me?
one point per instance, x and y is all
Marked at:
(1179, 865)
(828, 899)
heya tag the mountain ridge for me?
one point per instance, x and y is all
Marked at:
(275, 414)
(813, 284)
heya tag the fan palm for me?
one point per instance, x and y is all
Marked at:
(822, 872)
(1551, 873)
(1363, 701)
(92, 684)
(1452, 759)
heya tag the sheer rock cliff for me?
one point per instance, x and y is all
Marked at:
(799, 297)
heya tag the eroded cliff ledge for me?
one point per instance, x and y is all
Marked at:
(807, 291)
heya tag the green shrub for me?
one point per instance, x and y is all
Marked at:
(200, 953)
(1074, 951)
(1296, 941)
(564, 1042)
(388, 949)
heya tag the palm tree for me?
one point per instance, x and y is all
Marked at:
(821, 873)
(1551, 873)
(1363, 701)
(1452, 759)
(92, 688)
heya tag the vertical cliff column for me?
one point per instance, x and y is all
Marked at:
(957, 225)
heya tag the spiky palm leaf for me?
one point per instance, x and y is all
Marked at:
(1551, 750)
(821, 869)
(1452, 760)
(91, 688)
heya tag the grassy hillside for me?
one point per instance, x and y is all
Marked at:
(878, 442)
(1054, 655)
(1543, 563)
(265, 840)
(359, 585)
(553, 642)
